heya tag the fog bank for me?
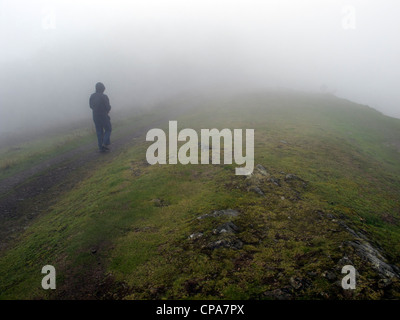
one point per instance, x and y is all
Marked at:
(53, 52)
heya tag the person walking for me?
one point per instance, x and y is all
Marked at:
(100, 105)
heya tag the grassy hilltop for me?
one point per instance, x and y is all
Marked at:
(325, 193)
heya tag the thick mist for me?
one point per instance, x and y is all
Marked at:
(53, 53)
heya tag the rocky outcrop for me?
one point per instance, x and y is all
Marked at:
(226, 243)
(225, 232)
(369, 253)
(378, 262)
(228, 227)
(195, 236)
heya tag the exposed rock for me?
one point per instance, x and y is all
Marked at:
(204, 216)
(372, 255)
(257, 190)
(218, 244)
(357, 235)
(236, 244)
(226, 243)
(367, 252)
(228, 227)
(227, 212)
(262, 170)
(384, 283)
(251, 180)
(256, 179)
(290, 176)
(295, 283)
(344, 262)
(322, 214)
(275, 181)
(195, 236)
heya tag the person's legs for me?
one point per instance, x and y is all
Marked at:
(107, 131)
(99, 131)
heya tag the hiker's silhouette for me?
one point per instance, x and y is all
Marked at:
(100, 104)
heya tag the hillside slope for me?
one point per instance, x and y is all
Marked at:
(325, 193)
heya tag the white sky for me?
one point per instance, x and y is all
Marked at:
(166, 46)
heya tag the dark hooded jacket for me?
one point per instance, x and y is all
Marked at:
(99, 102)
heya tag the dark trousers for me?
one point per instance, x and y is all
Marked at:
(103, 129)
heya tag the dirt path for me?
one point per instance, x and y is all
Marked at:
(26, 194)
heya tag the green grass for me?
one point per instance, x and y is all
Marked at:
(146, 245)
(24, 155)
(46, 145)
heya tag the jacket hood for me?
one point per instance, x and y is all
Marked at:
(100, 87)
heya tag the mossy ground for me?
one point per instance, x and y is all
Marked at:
(131, 222)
